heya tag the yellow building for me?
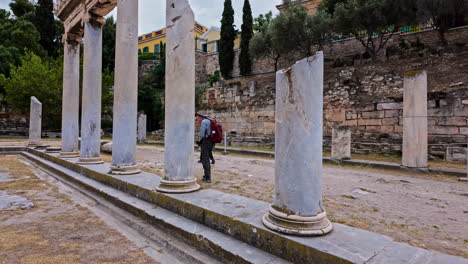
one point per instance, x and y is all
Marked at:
(311, 5)
(209, 42)
(151, 42)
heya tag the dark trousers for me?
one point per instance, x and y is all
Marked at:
(206, 148)
(211, 153)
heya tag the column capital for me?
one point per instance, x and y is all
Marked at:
(94, 19)
(72, 38)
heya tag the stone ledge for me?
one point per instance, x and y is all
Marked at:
(12, 150)
(240, 217)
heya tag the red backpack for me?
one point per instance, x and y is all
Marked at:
(216, 132)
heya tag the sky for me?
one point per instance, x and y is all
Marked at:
(207, 12)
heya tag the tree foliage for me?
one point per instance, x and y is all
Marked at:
(47, 27)
(262, 46)
(21, 7)
(39, 78)
(262, 21)
(108, 44)
(226, 42)
(442, 13)
(245, 63)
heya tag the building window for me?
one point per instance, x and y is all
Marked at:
(156, 49)
(145, 50)
(139, 51)
(204, 47)
(217, 46)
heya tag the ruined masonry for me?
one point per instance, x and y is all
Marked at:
(35, 123)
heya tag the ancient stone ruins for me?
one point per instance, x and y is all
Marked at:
(297, 211)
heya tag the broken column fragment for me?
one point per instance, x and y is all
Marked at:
(180, 100)
(35, 123)
(341, 143)
(415, 120)
(298, 208)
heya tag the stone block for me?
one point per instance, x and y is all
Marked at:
(370, 122)
(392, 113)
(341, 143)
(456, 153)
(444, 130)
(389, 106)
(453, 121)
(373, 115)
(390, 121)
(350, 122)
(463, 130)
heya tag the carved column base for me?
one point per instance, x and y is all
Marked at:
(53, 150)
(90, 161)
(69, 155)
(178, 186)
(125, 170)
(297, 225)
(41, 147)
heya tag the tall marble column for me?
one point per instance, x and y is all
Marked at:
(180, 100)
(35, 123)
(415, 120)
(341, 143)
(298, 208)
(90, 152)
(124, 133)
(71, 96)
(141, 128)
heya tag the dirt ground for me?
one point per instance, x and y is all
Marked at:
(427, 211)
(56, 230)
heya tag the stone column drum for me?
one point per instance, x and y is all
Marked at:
(298, 208)
(180, 100)
(124, 135)
(415, 120)
(91, 99)
(141, 128)
(341, 143)
(35, 123)
(71, 97)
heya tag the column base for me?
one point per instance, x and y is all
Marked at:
(90, 161)
(297, 225)
(125, 170)
(53, 150)
(41, 147)
(69, 155)
(463, 179)
(167, 186)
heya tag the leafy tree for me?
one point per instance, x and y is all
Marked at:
(40, 78)
(8, 57)
(45, 24)
(441, 13)
(21, 7)
(108, 44)
(262, 46)
(329, 6)
(262, 21)
(371, 22)
(226, 42)
(245, 63)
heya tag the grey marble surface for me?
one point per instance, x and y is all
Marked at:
(341, 143)
(35, 122)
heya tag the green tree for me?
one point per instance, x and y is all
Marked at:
(262, 46)
(226, 43)
(262, 21)
(245, 63)
(442, 14)
(40, 78)
(45, 24)
(21, 7)
(328, 6)
(108, 44)
(371, 22)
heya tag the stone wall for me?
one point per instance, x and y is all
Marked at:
(12, 122)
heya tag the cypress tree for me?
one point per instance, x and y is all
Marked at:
(245, 63)
(226, 43)
(45, 24)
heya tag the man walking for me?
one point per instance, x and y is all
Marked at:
(206, 146)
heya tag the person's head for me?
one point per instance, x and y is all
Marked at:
(200, 117)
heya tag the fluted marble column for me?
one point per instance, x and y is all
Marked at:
(415, 120)
(180, 100)
(90, 152)
(71, 97)
(35, 123)
(298, 208)
(124, 133)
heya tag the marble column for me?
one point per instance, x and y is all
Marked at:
(298, 208)
(71, 97)
(124, 133)
(141, 128)
(180, 100)
(341, 143)
(35, 123)
(90, 152)
(415, 120)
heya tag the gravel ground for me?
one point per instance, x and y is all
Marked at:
(427, 211)
(56, 230)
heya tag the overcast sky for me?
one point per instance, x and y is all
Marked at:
(207, 12)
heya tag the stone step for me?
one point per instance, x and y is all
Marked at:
(223, 247)
(241, 218)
